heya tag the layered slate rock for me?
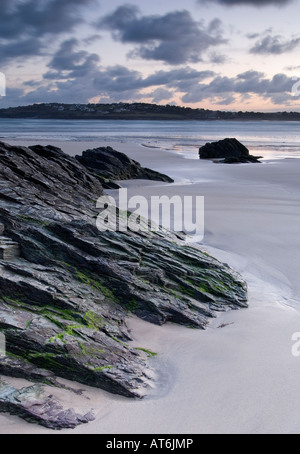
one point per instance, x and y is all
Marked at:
(65, 300)
(109, 165)
(231, 150)
(35, 405)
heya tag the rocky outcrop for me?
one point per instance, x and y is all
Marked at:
(34, 405)
(65, 297)
(110, 164)
(232, 150)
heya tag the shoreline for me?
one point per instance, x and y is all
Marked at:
(242, 378)
(262, 140)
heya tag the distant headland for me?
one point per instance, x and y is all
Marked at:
(137, 111)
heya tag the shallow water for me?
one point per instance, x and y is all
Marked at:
(269, 139)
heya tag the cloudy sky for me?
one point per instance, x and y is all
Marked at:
(217, 54)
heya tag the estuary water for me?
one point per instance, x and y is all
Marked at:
(270, 139)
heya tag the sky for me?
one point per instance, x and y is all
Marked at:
(212, 54)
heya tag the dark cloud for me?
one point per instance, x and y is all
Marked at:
(118, 79)
(275, 45)
(16, 49)
(246, 84)
(39, 17)
(250, 75)
(177, 78)
(160, 94)
(68, 62)
(226, 101)
(174, 38)
(118, 83)
(76, 75)
(218, 59)
(258, 3)
(25, 25)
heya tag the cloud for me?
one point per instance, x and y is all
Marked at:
(245, 84)
(68, 63)
(16, 49)
(39, 17)
(174, 38)
(118, 83)
(160, 94)
(129, 83)
(76, 75)
(275, 45)
(26, 25)
(217, 59)
(177, 78)
(257, 3)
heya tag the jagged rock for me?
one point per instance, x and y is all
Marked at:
(110, 164)
(64, 301)
(35, 405)
(231, 149)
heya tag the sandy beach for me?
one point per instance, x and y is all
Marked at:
(242, 378)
